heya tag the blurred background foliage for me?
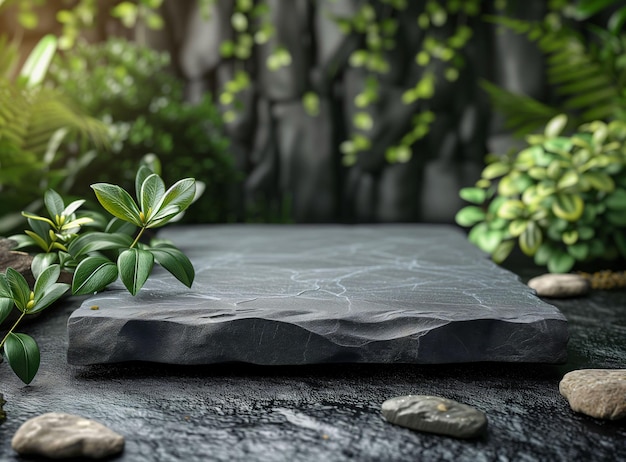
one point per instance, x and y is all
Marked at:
(137, 94)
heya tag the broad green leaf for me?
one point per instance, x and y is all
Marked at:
(503, 251)
(176, 199)
(531, 239)
(19, 288)
(92, 275)
(41, 261)
(469, 216)
(135, 266)
(152, 191)
(117, 202)
(6, 306)
(489, 240)
(5, 289)
(176, 262)
(54, 203)
(50, 295)
(560, 262)
(48, 277)
(473, 195)
(569, 207)
(555, 126)
(22, 353)
(143, 172)
(512, 209)
(94, 241)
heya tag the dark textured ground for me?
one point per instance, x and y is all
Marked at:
(330, 412)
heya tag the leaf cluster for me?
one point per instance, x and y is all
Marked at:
(99, 256)
(562, 199)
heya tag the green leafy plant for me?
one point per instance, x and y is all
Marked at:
(98, 257)
(21, 350)
(562, 199)
(33, 122)
(129, 88)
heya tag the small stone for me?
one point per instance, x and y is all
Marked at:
(599, 393)
(58, 436)
(559, 285)
(435, 415)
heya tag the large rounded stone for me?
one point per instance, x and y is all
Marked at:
(559, 285)
(599, 393)
(60, 436)
(435, 415)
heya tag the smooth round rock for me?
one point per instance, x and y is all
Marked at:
(559, 285)
(435, 415)
(599, 393)
(60, 436)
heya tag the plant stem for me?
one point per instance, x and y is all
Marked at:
(12, 328)
(138, 237)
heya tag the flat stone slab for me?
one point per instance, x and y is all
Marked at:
(289, 295)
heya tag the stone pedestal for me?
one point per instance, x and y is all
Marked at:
(279, 295)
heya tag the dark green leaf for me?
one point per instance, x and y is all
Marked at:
(616, 200)
(22, 353)
(19, 288)
(94, 241)
(579, 251)
(543, 254)
(47, 277)
(620, 241)
(176, 199)
(176, 262)
(51, 295)
(93, 274)
(135, 266)
(5, 290)
(117, 202)
(41, 261)
(6, 306)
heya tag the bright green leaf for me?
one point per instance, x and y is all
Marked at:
(503, 250)
(555, 126)
(117, 202)
(473, 195)
(469, 216)
(495, 170)
(512, 209)
(151, 192)
(22, 353)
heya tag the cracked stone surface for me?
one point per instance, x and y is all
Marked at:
(291, 295)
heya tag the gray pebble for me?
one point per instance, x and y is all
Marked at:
(435, 415)
(559, 285)
(60, 436)
(599, 393)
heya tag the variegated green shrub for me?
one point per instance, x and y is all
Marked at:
(562, 199)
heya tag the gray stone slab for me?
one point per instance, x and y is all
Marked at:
(277, 295)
